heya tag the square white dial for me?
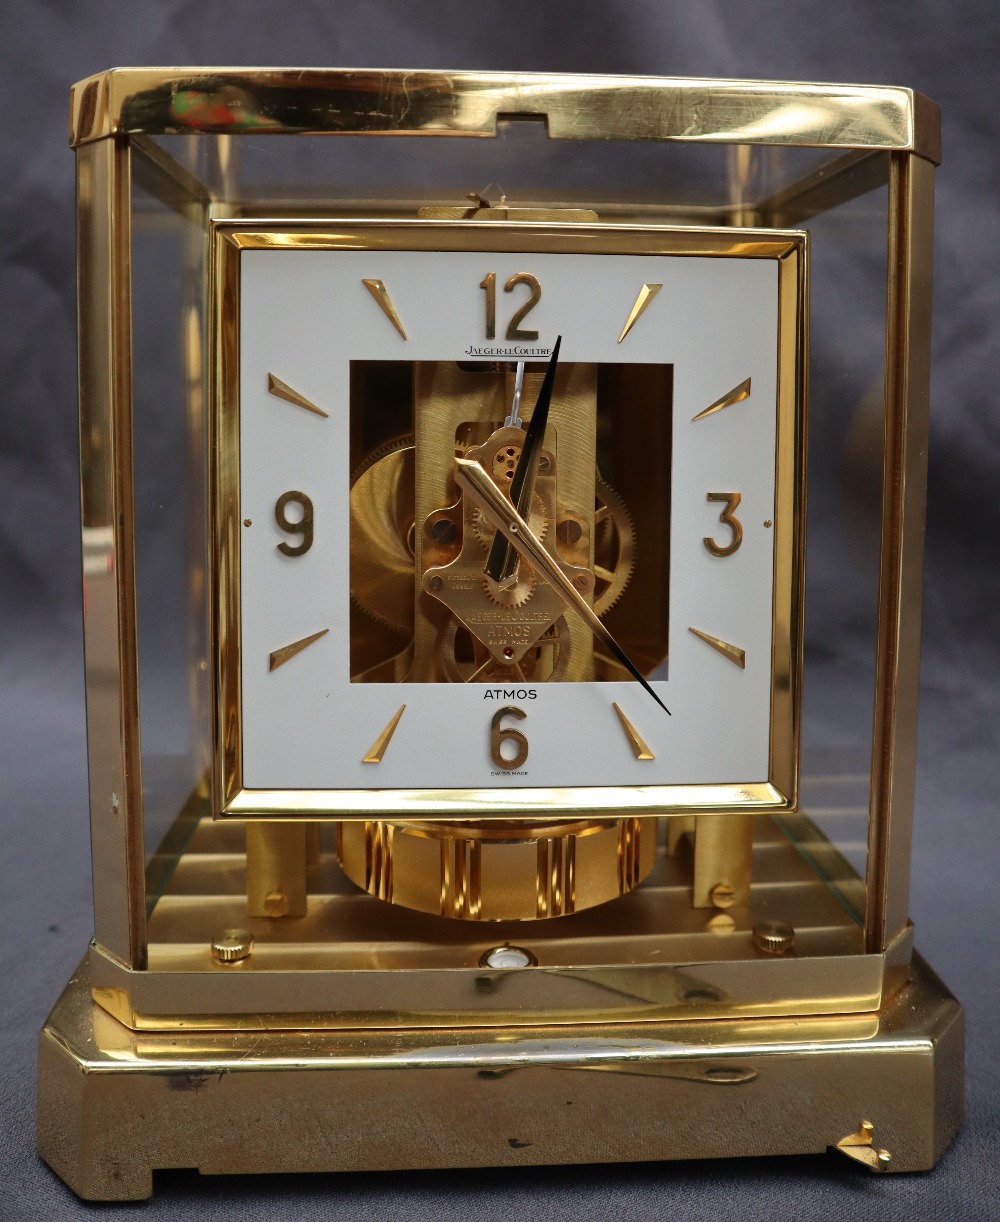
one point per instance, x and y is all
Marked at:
(366, 366)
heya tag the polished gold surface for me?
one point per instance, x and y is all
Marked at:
(280, 656)
(232, 946)
(382, 299)
(723, 850)
(734, 653)
(277, 866)
(773, 937)
(105, 317)
(504, 739)
(114, 1105)
(730, 501)
(261, 100)
(303, 525)
(639, 748)
(861, 1146)
(283, 391)
(354, 961)
(904, 492)
(642, 301)
(736, 395)
(378, 748)
(497, 871)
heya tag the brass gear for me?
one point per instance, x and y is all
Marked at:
(545, 662)
(484, 530)
(614, 546)
(515, 595)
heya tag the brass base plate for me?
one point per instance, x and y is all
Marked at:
(114, 1104)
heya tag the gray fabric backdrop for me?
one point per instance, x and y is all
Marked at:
(948, 51)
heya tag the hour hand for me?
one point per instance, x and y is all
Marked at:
(471, 477)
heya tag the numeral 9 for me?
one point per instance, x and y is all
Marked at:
(303, 525)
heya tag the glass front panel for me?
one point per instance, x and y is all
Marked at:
(706, 885)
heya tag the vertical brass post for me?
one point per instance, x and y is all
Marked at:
(277, 855)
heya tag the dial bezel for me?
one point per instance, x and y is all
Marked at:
(779, 792)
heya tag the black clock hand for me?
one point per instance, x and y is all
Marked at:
(472, 478)
(502, 558)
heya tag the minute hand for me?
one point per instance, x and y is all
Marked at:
(473, 479)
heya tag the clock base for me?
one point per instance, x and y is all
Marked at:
(114, 1104)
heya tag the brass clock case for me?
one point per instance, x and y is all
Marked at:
(719, 944)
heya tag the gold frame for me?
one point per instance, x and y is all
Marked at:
(158, 101)
(779, 791)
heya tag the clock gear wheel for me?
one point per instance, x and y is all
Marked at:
(516, 594)
(382, 559)
(464, 659)
(484, 530)
(614, 547)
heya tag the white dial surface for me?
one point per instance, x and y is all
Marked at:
(308, 315)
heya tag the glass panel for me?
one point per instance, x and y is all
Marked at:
(314, 174)
(170, 522)
(848, 274)
(806, 869)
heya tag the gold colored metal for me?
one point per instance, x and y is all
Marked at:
(247, 1101)
(736, 395)
(283, 391)
(773, 937)
(489, 287)
(679, 830)
(232, 946)
(596, 969)
(515, 332)
(646, 295)
(381, 554)
(280, 656)
(636, 742)
(495, 870)
(276, 869)
(728, 518)
(299, 526)
(506, 213)
(860, 1146)
(384, 302)
(500, 734)
(104, 241)
(733, 652)
(471, 477)
(904, 490)
(378, 747)
(127, 101)
(495, 615)
(723, 895)
(723, 849)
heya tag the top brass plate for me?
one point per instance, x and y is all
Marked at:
(158, 101)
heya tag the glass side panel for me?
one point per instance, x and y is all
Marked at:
(170, 523)
(846, 386)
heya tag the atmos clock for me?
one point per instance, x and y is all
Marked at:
(480, 726)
